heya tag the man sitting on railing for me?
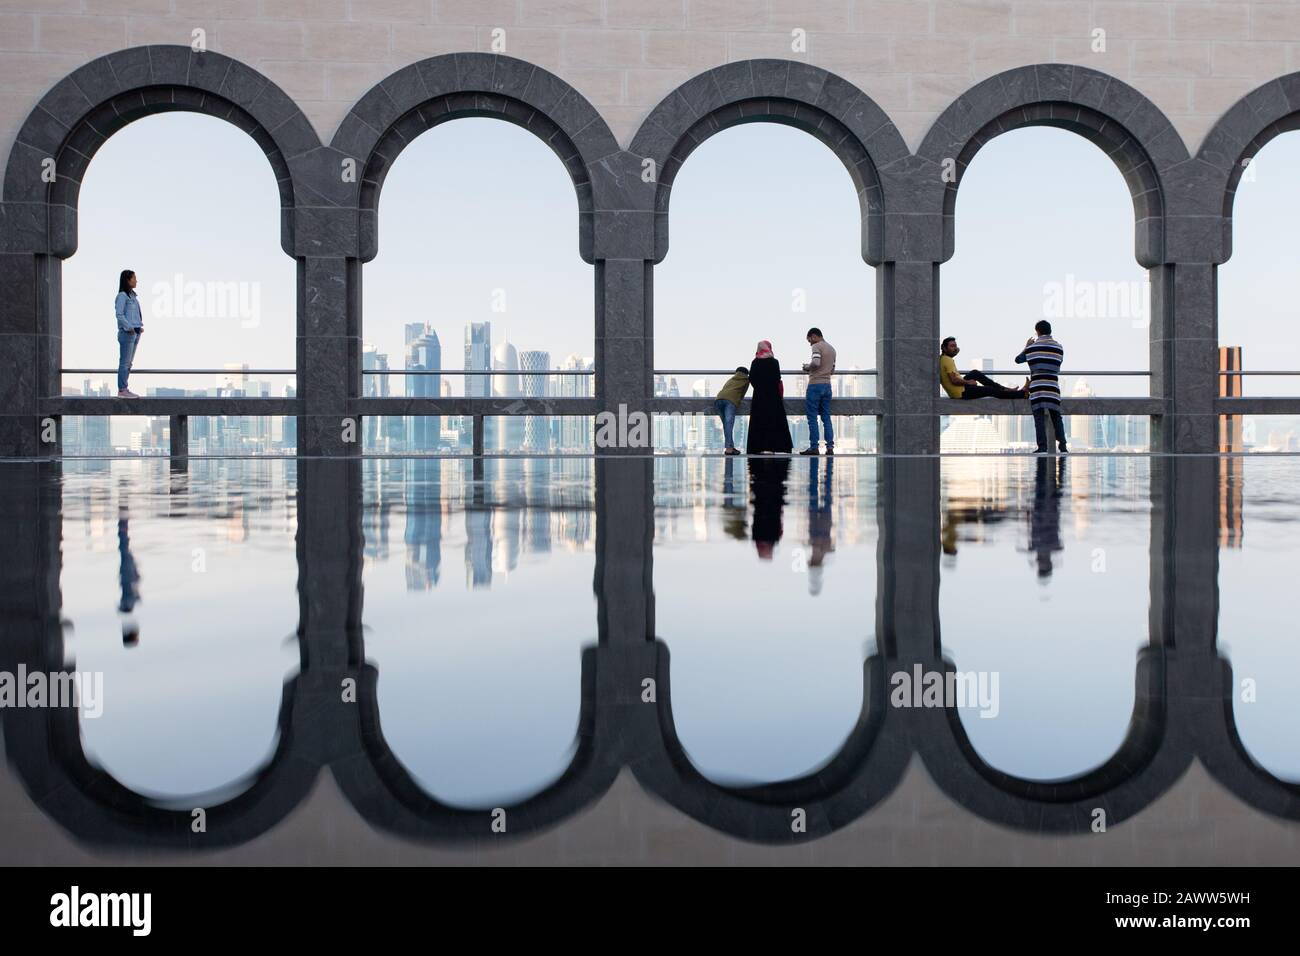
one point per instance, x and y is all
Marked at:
(974, 384)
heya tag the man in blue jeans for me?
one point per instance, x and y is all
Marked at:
(728, 400)
(817, 400)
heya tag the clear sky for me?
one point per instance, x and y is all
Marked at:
(479, 213)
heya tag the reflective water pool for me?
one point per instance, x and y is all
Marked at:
(784, 652)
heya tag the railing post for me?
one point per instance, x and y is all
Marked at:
(179, 431)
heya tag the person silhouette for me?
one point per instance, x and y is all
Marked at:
(767, 478)
(1045, 516)
(128, 581)
(821, 520)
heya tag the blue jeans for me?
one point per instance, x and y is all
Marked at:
(126, 343)
(817, 403)
(727, 412)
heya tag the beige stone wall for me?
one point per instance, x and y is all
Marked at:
(1193, 59)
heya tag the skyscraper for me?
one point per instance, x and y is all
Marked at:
(509, 432)
(478, 358)
(536, 428)
(423, 353)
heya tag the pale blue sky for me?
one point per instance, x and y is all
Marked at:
(758, 212)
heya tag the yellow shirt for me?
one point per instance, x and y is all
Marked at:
(947, 367)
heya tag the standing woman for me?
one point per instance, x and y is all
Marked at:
(768, 429)
(130, 326)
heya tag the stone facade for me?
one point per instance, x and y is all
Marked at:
(905, 92)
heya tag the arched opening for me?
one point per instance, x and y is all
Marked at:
(766, 242)
(190, 204)
(1257, 310)
(1044, 226)
(478, 271)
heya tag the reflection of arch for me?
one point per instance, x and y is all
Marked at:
(1247, 127)
(864, 771)
(777, 91)
(1221, 749)
(431, 92)
(44, 745)
(77, 116)
(384, 792)
(1130, 129)
(1141, 769)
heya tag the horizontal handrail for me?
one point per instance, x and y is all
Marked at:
(730, 371)
(475, 371)
(1065, 372)
(181, 371)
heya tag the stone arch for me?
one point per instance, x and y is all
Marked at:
(778, 91)
(1247, 127)
(1127, 126)
(75, 118)
(433, 91)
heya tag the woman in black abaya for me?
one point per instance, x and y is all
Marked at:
(768, 429)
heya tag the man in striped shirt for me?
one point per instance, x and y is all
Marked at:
(1045, 355)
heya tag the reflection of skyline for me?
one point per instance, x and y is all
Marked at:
(522, 508)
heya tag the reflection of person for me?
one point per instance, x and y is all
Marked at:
(768, 429)
(1045, 518)
(817, 399)
(974, 384)
(128, 580)
(821, 519)
(734, 514)
(130, 326)
(1045, 356)
(726, 403)
(767, 479)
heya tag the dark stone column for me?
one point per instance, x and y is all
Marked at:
(329, 355)
(624, 337)
(31, 353)
(907, 344)
(1184, 356)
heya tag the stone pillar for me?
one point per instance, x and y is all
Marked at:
(624, 337)
(329, 355)
(907, 346)
(31, 353)
(1185, 355)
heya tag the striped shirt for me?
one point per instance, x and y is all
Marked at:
(1044, 356)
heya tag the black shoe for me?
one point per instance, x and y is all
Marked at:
(1063, 449)
(810, 451)
(830, 449)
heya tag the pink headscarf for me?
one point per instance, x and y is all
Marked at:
(764, 350)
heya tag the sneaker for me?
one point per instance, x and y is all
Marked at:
(125, 393)
(810, 451)
(733, 451)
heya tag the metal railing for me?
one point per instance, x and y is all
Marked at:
(181, 371)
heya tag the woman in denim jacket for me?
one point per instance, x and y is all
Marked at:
(130, 326)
